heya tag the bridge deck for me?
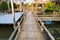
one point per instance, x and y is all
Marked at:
(30, 30)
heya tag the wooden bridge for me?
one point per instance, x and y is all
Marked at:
(30, 29)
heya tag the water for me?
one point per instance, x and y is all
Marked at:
(5, 31)
(54, 29)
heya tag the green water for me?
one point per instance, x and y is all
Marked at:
(54, 29)
(5, 31)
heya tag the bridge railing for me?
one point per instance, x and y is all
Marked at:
(47, 14)
(47, 18)
(12, 36)
(16, 31)
(45, 31)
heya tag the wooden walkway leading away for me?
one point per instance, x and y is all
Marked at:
(30, 30)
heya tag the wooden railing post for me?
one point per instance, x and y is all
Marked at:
(42, 24)
(19, 27)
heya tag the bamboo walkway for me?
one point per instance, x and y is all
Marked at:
(30, 30)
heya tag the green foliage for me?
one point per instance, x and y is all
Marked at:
(55, 33)
(15, 6)
(58, 38)
(57, 8)
(49, 7)
(49, 10)
(10, 5)
(3, 6)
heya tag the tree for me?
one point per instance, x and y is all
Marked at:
(3, 6)
(15, 6)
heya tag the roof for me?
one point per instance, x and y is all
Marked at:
(8, 19)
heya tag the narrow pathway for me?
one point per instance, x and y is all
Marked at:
(30, 30)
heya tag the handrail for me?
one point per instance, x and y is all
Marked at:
(43, 26)
(12, 35)
(43, 18)
(48, 15)
(15, 30)
(52, 38)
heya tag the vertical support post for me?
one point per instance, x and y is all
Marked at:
(18, 27)
(32, 8)
(42, 24)
(8, 5)
(20, 5)
(13, 15)
(36, 7)
(43, 10)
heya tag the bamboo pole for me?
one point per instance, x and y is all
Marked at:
(36, 7)
(8, 5)
(13, 15)
(20, 5)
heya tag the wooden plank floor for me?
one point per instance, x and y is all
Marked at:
(30, 30)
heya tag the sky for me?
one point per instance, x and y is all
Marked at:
(29, 1)
(26, 1)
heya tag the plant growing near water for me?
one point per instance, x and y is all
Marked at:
(49, 7)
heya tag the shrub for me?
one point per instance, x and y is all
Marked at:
(57, 8)
(49, 10)
(49, 7)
